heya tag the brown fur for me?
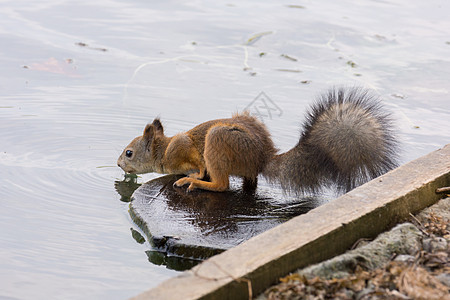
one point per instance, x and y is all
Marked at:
(346, 141)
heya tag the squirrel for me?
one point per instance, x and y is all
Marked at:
(347, 139)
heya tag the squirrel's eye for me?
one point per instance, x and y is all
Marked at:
(129, 153)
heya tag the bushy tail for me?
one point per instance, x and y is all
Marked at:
(347, 140)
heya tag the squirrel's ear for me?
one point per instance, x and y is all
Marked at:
(148, 132)
(152, 129)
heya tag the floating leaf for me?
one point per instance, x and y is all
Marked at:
(295, 6)
(289, 57)
(256, 37)
(352, 64)
(289, 70)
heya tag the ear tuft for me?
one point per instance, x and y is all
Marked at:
(158, 125)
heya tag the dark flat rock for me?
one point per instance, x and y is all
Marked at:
(200, 224)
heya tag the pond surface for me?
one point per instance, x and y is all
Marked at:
(79, 79)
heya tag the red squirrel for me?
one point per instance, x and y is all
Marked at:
(347, 139)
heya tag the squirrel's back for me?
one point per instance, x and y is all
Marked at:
(239, 146)
(347, 139)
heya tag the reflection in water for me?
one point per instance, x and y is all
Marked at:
(126, 187)
(137, 236)
(184, 228)
(171, 262)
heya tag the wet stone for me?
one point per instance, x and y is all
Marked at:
(182, 226)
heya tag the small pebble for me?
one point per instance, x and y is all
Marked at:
(434, 243)
(405, 258)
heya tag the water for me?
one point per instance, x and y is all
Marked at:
(79, 79)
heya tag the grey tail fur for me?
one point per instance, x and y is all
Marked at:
(347, 139)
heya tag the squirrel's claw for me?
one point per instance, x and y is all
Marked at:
(191, 188)
(183, 181)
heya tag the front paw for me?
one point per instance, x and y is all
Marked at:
(191, 187)
(183, 181)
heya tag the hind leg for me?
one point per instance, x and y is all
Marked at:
(198, 175)
(250, 184)
(219, 183)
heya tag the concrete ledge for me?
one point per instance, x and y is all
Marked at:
(315, 236)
